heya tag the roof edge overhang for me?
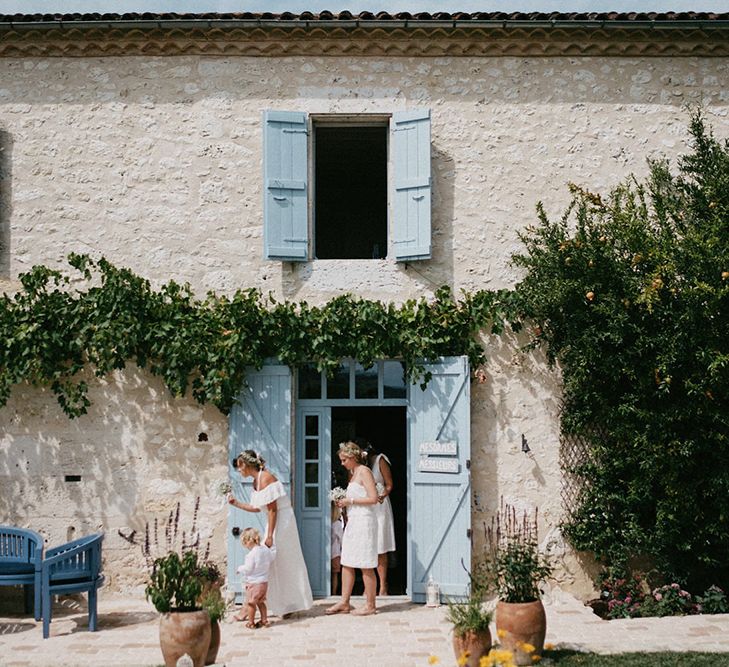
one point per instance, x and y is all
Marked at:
(437, 35)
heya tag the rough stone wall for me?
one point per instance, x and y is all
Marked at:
(155, 163)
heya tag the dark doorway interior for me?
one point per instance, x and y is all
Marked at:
(385, 428)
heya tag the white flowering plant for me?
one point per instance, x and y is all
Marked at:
(337, 493)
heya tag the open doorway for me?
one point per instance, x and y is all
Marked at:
(385, 428)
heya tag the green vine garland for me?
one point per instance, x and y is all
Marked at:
(52, 329)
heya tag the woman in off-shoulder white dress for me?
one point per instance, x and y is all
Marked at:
(288, 579)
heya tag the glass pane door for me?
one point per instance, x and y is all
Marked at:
(312, 498)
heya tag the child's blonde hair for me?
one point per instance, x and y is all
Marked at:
(336, 512)
(250, 536)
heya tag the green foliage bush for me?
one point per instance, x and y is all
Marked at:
(175, 583)
(630, 295)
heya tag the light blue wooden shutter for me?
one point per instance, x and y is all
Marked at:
(260, 421)
(285, 170)
(411, 218)
(440, 502)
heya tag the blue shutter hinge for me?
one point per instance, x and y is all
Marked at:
(403, 129)
(468, 464)
(287, 131)
(469, 533)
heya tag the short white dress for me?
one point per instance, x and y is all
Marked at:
(359, 542)
(383, 511)
(288, 579)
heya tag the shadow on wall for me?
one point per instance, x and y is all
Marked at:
(6, 150)
(135, 454)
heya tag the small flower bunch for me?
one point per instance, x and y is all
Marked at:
(380, 489)
(669, 600)
(224, 487)
(624, 595)
(337, 493)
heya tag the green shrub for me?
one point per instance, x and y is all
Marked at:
(629, 293)
(713, 601)
(175, 583)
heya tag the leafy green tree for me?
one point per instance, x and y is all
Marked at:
(630, 296)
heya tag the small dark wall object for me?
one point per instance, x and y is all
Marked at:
(524, 444)
(202, 437)
(72, 478)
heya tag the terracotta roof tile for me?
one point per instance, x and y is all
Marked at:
(369, 16)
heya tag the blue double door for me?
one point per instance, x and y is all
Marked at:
(426, 432)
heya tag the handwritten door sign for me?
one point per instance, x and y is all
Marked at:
(433, 464)
(439, 448)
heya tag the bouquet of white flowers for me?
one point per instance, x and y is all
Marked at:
(224, 488)
(380, 489)
(337, 493)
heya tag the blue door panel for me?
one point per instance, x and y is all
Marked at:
(261, 420)
(439, 503)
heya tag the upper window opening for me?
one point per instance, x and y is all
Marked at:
(350, 181)
(344, 204)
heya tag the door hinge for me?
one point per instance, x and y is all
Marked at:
(469, 533)
(468, 464)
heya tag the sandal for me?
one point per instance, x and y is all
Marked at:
(250, 625)
(264, 624)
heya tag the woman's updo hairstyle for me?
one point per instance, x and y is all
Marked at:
(353, 451)
(251, 459)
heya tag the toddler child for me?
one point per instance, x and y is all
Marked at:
(255, 573)
(336, 553)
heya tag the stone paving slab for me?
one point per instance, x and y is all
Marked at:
(401, 634)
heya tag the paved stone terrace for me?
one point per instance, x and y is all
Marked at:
(400, 634)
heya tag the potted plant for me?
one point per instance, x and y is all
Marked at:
(175, 586)
(470, 619)
(515, 568)
(174, 589)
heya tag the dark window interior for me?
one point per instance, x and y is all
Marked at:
(351, 192)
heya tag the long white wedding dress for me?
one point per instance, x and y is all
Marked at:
(288, 579)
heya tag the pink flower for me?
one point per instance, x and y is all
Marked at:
(675, 586)
(658, 597)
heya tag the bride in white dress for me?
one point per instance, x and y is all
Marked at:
(288, 579)
(359, 542)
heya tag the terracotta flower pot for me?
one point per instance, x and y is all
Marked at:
(521, 626)
(474, 645)
(214, 643)
(184, 632)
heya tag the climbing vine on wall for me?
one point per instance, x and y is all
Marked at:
(104, 317)
(630, 294)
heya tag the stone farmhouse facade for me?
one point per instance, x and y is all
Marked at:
(156, 142)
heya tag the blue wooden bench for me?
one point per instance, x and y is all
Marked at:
(74, 567)
(21, 551)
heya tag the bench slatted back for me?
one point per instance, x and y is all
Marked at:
(83, 561)
(17, 546)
